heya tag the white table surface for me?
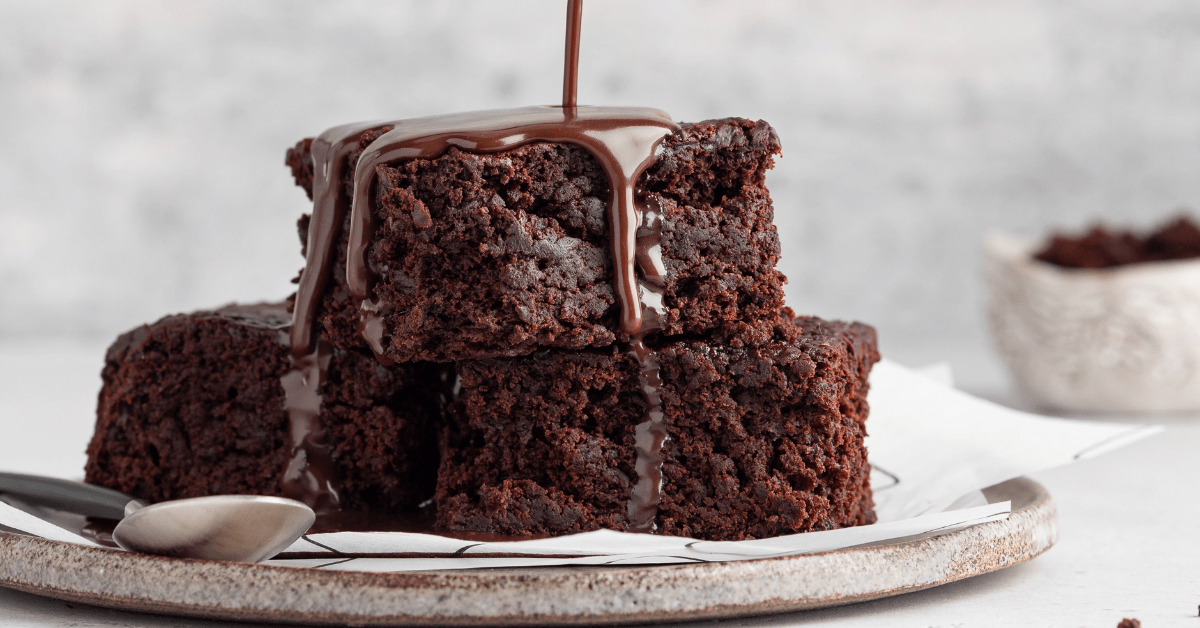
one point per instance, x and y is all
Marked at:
(1129, 521)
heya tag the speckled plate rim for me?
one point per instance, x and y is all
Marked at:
(531, 596)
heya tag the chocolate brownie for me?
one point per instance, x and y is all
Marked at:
(763, 440)
(193, 405)
(491, 255)
(1104, 248)
(628, 366)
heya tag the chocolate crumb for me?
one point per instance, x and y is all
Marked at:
(1104, 248)
(1129, 623)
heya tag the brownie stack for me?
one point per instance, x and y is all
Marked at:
(497, 267)
(500, 264)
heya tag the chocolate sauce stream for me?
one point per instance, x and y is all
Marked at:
(571, 57)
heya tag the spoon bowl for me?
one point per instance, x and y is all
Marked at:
(238, 528)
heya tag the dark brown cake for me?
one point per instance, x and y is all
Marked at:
(1104, 248)
(193, 405)
(764, 440)
(488, 255)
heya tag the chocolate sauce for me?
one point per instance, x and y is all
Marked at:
(571, 57)
(329, 152)
(651, 433)
(310, 476)
(623, 139)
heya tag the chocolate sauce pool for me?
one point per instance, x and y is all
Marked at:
(624, 140)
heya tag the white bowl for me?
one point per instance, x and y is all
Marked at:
(1123, 339)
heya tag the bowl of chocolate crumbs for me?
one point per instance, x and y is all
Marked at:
(1107, 320)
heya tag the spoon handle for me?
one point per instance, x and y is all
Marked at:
(83, 499)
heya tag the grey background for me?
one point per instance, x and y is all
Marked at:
(141, 142)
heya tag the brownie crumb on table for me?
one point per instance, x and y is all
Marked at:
(1129, 623)
(1104, 248)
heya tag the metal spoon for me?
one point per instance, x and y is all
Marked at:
(238, 528)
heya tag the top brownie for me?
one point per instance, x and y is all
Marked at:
(516, 254)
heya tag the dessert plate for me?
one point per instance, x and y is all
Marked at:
(531, 596)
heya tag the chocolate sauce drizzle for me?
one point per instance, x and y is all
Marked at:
(623, 139)
(310, 475)
(651, 434)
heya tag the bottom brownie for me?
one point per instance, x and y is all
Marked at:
(193, 405)
(763, 441)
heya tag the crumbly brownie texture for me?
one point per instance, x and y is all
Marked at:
(192, 405)
(764, 440)
(1102, 248)
(516, 256)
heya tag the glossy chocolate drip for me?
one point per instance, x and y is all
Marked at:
(310, 476)
(651, 433)
(329, 152)
(571, 57)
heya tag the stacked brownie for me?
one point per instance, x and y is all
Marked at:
(500, 264)
(497, 268)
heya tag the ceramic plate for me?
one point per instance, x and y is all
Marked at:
(531, 596)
